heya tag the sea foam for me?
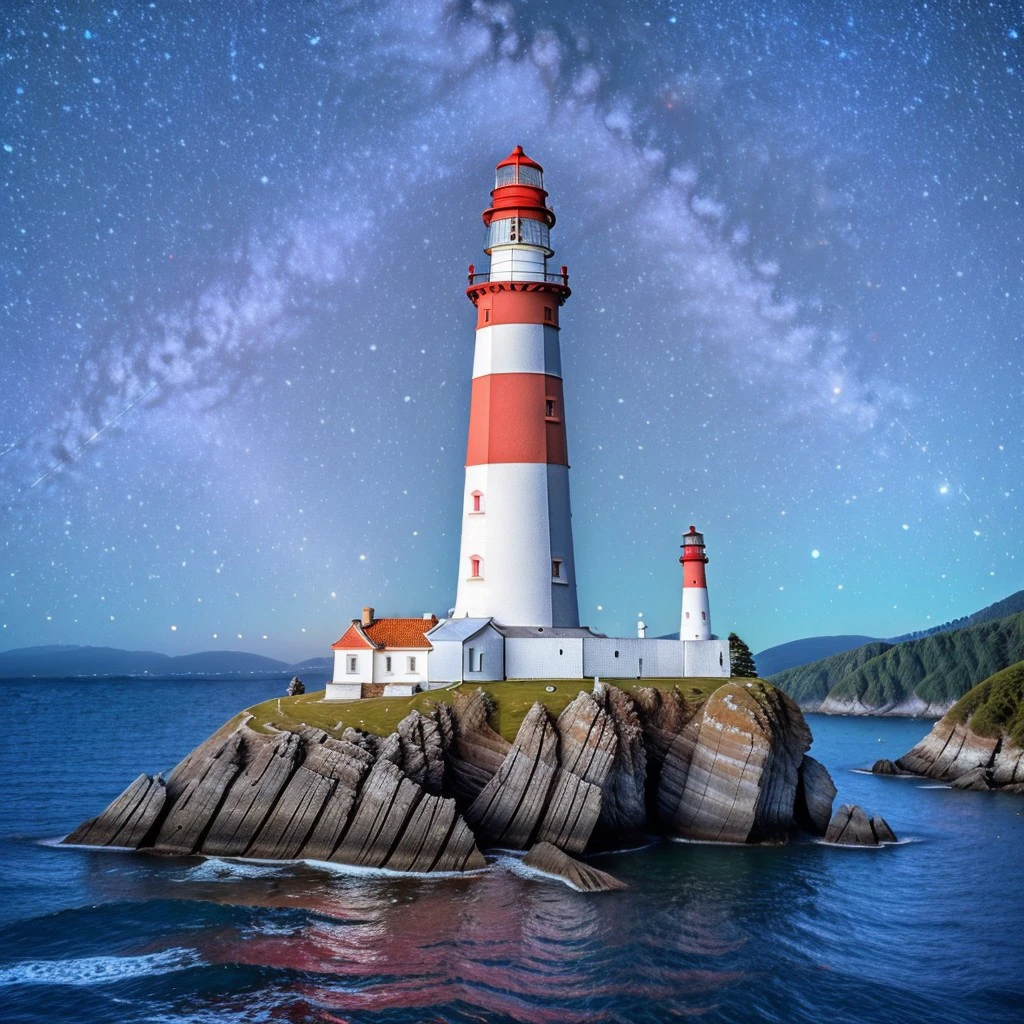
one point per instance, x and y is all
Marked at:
(98, 970)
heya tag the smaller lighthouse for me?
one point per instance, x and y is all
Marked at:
(695, 622)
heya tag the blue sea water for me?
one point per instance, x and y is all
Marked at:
(929, 930)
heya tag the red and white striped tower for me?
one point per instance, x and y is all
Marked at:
(516, 562)
(695, 621)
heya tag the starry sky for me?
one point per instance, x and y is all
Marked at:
(237, 348)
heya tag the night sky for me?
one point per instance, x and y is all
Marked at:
(237, 348)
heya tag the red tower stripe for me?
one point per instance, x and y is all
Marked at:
(498, 303)
(693, 574)
(509, 420)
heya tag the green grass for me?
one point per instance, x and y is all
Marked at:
(995, 707)
(512, 698)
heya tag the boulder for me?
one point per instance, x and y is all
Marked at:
(976, 779)
(814, 796)
(887, 767)
(731, 775)
(550, 860)
(883, 833)
(295, 687)
(850, 826)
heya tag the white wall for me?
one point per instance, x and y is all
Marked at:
(399, 666)
(343, 691)
(444, 664)
(565, 609)
(599, 658)
(544, 658)
(364, 666)
(488, 644)
(707, 658)
(512, 538)
(663, 659)
(518, 263)
(695, 615)
(517, 348)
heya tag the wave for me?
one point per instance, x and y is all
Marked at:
(222, 869)
(98, 970)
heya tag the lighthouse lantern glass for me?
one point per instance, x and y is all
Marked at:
(518, 174)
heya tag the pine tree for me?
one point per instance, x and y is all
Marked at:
(740, 658)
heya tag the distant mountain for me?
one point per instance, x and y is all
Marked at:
(1008, 606)
(800, 652)
(312, 665)
(813, 648)
(915, 677)
(60, 660)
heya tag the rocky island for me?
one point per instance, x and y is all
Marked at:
(978, 744)
(428, 783)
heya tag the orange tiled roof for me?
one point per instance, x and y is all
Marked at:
(351, 639)
(387, 633)
(401, 632)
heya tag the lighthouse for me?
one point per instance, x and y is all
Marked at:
(516, 562)
(695, 621)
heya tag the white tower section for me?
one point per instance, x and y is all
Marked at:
(516, 562)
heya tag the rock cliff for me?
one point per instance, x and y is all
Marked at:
(979, 744)
(444, 785)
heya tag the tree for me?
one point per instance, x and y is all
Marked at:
(740, 658)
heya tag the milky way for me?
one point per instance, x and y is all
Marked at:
(238, 352)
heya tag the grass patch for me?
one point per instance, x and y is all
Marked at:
(513, 699)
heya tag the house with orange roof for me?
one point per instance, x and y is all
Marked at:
(380, 657)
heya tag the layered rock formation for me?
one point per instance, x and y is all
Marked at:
(978, 744)
(731, 767)
(953, 753)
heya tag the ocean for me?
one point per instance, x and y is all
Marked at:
(928, 930)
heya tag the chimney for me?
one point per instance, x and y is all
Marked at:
(367, 617)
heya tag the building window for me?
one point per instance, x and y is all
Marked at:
(471, 656)
(387, 664)
(556, 568)
(412, 663)
(478, 501)
(721, 663)
(476, 567)
(352, 664)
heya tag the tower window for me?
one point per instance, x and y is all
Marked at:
(547, 313)
(476, 565)
(551, 409)
(556, 568)
(687, 614)
(478, 499)
(704, 615)
(487, 316)
(616, 654)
